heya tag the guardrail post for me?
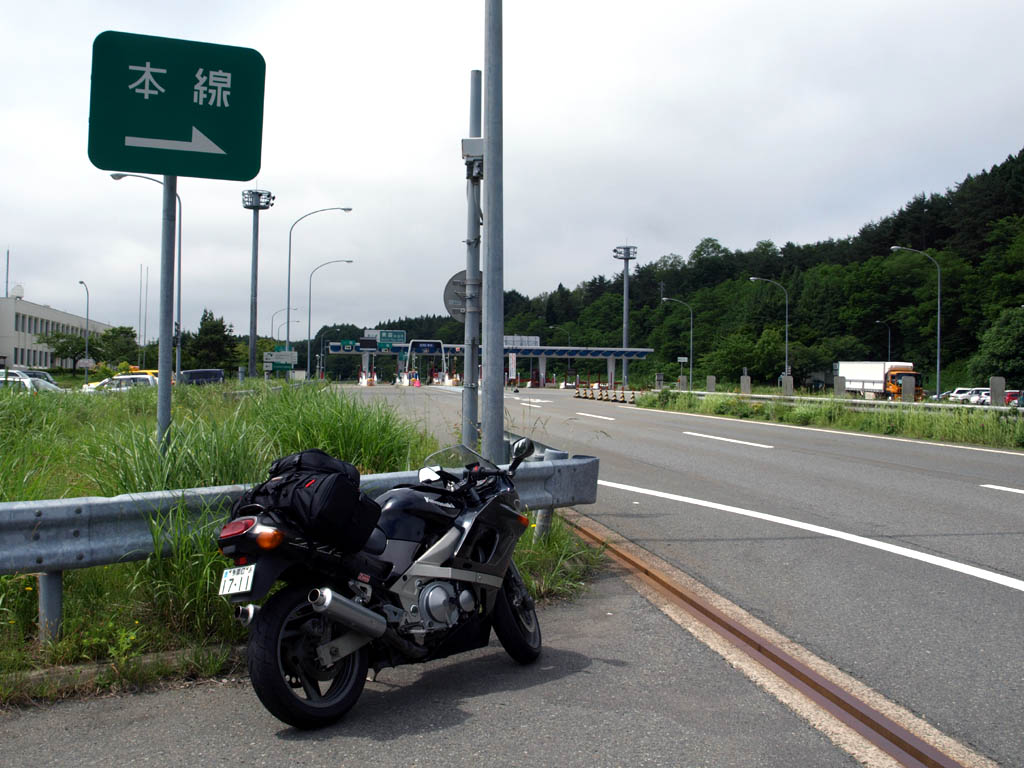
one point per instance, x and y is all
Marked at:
(542, 525)
(51, 604)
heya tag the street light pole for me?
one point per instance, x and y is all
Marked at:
(563, 328)
(690, 358)
(288, 314)
(273, 317)
(888, 347)
(82, 283)
(118, 177)
(309, 306)
(766, 280)
(938, 315)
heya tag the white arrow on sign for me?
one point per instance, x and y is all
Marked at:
(199, 143)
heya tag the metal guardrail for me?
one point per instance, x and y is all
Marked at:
(52, 536)
(849, 400)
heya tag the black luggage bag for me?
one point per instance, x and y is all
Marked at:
(319, 495)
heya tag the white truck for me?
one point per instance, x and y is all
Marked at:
(878, 379)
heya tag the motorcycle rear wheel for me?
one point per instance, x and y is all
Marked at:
(515, 619)
(286, 673)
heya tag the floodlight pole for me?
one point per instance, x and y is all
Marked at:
(626, 253)
(255, 200)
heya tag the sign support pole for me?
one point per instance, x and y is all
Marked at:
(164, 356)
(494, 278)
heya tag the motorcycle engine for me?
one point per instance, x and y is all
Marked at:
(439, 606)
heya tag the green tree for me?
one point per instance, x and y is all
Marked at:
(212, 346)
(118, 345)
(1001, 352)
(70, 346)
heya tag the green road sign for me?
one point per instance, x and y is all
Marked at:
(175, 107)
(392, 336)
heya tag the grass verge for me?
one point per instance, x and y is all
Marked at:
(967, 426)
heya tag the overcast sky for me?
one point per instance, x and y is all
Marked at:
(646, 123)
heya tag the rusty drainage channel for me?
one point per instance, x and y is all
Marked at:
(884, 733)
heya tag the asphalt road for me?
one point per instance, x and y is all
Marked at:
(891, 559)
(618, 684)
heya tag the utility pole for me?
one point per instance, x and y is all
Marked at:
(471, 340)
(494, 239)
(626, 253)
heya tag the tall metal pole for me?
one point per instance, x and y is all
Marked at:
(626, 253)
(177, 339)
(177, 197)
(7, 275)
(163, 392)
(938, 316)
(257, 200)
(139, 332)
(82, 282)
(471, 340)
(253, 276)
(309, 307)
(494, 250)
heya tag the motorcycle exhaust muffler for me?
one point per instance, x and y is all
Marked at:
(246, 613)
(347, 612)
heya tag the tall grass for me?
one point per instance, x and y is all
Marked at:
(966, 425)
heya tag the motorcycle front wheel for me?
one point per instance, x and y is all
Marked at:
(515, 619)
(286, 673)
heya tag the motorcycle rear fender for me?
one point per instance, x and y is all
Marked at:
(268, 571)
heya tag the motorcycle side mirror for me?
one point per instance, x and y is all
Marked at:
(520, 450)
(429, 474)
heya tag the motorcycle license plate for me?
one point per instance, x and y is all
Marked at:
(235, 580)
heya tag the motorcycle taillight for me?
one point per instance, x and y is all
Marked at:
(237, 527)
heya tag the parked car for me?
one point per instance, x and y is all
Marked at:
(26, 383)
(1012, 396)
(35, 374)
(122, 383)
(202, 376)
(975, 395)
(959, 394)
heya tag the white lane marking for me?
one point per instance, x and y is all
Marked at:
(727, 439)
(595, 416)
(530, 405)
(829, 431)
(942, 562)
(1003, 488)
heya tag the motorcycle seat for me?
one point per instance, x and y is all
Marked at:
(377, 542)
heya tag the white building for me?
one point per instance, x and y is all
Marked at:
(21, 322)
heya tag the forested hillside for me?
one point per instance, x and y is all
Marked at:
(846, 296)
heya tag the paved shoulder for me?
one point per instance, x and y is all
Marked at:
(618, 684)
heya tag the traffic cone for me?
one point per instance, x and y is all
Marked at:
(632, 398)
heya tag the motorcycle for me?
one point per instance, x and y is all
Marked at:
(434, 577)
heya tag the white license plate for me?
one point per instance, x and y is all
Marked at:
(235, 580)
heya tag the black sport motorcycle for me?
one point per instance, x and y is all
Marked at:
(434, 576)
